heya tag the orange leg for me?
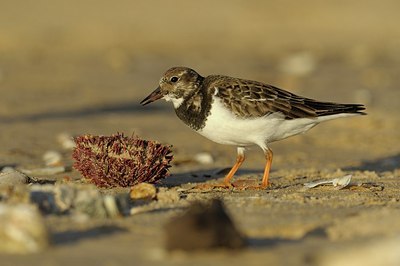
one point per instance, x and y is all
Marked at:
(239, 160)
(268, 156)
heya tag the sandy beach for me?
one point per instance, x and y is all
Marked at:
(81, 67)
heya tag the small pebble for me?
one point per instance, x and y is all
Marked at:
(7, 169)
(13, 177)
(22, 229)
(204, 158)
(143, 191)
(52, 158)
(44, 198)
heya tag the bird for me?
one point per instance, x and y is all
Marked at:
(243, 113)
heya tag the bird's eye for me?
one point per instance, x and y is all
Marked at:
(174, 79)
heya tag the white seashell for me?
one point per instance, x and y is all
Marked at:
(22, 229)
(340, 182)
(317, 183)
(86, 200)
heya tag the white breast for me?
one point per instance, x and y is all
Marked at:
(222, 126)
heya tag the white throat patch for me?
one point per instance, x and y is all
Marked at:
(176, 102)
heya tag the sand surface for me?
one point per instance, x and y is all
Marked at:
(79, 67)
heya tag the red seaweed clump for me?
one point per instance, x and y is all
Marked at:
(119, 161)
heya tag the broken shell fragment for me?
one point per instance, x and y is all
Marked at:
(339, 183)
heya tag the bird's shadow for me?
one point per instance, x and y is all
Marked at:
(201, 176)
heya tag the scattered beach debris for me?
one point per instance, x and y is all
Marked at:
(85, 199)
(203, 226)
(112, 161)
(92, 203)
(22, 229)
(339, 183)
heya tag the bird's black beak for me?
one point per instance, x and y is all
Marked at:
(154, 96)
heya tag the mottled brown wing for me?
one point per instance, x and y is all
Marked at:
(248, 98)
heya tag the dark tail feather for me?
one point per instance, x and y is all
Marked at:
(327, 108)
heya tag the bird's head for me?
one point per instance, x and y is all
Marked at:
(175, 85)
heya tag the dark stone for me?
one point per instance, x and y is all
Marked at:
(203, 226)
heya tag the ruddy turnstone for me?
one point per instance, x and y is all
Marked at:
(243, 112)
